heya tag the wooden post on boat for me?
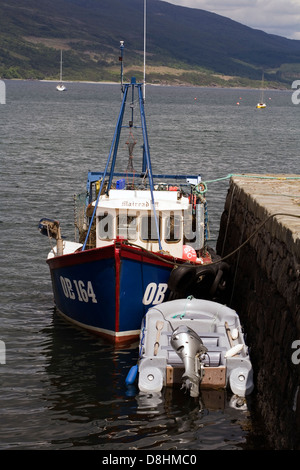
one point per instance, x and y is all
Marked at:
(228, 332)
(59, 243)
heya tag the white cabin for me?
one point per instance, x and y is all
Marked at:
(128, 214)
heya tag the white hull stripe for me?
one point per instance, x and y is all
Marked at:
(117, 334)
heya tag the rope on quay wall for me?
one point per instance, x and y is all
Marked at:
(254, 233)
(201, 188)
(230, 175)
(156, 255)
(264, 177)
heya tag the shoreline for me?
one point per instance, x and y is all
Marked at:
(90, 82)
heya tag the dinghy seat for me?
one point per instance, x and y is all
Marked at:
(212, 358)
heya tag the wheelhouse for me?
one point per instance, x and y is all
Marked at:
(128, 214)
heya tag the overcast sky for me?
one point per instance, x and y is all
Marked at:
(281, 17)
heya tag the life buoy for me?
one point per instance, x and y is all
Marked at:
(189, 253)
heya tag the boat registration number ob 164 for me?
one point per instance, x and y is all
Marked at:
(78, 290)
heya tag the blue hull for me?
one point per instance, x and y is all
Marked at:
(108, 290)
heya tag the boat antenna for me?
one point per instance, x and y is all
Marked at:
(144, 85)
(121, 60)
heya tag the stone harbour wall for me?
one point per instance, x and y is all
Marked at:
(264, 288)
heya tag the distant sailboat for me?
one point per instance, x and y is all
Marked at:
(261, 103)
(60, 86)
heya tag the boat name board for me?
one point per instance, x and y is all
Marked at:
(139, 204)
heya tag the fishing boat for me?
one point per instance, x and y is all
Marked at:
(194, 343)
(60, 86)
(142, 237)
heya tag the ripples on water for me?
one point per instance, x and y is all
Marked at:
(60, 387)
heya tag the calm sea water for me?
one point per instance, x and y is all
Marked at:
(60, 387)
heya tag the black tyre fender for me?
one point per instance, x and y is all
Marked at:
(217, 284)
(181, 278)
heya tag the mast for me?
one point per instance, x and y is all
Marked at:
(113, 155)
(121, 60)
(60, 75)
(148, 162)
(144, 84)
(146, 166)
(262, 88)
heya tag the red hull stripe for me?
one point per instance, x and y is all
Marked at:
(117, 292)
(81, 257)
(125, 251)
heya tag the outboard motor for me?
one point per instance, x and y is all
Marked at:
(189, 347)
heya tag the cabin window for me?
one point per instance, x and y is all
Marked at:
(194, 226)
(190, 228)
(106, 226)
(148, 228)
(127, 226)
(173, 228)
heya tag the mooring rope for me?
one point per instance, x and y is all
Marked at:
(155, 255)
(255, 231)
(231, 175)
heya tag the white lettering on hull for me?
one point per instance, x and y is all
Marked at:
(155, 294)
(78, 290)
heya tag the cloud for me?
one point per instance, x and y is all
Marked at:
(281, 17)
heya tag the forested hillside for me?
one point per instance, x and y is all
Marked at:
(184, 45)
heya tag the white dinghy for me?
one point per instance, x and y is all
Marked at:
(198, 343)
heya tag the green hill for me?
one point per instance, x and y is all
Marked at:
(184, 45)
